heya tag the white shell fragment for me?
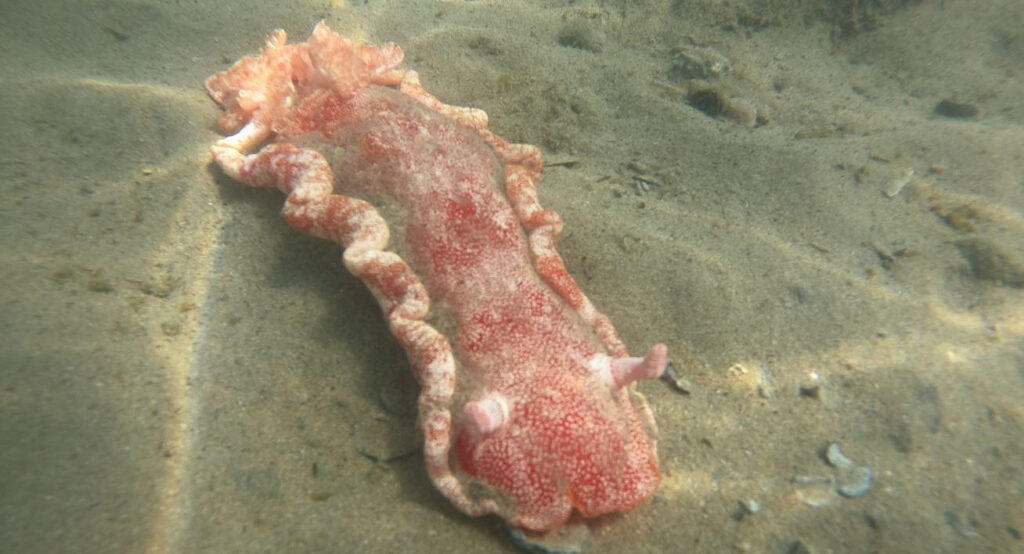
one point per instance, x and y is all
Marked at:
(568, 539)
(835, 457)
(814, 490)
(850, 481)
(853, 480)
(897, 184)
(750, 506)
(856, 483)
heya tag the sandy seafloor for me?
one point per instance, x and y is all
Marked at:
(181, 372)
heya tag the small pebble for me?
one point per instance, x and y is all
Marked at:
(810, 391)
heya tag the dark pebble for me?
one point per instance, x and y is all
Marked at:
(810, 391)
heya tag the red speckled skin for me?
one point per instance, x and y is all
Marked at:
(463, 219)
(572, 440)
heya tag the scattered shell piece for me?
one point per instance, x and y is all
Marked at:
(672, 377)
(835, 457)
(568, 539)
(814, 490)
(750, 506)
(853, 480)
(897, 184)
(857, 482)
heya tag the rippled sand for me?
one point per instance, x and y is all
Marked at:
(766, 187)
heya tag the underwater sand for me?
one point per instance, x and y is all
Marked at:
(764, 186)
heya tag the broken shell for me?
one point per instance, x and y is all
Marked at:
(750, 505)
(568, 539)
(853, 480)
(814, 490)
(677, 382)
(856, 482)
(897, 184)
(835, 457)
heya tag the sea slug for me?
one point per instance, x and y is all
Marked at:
(528, 407)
